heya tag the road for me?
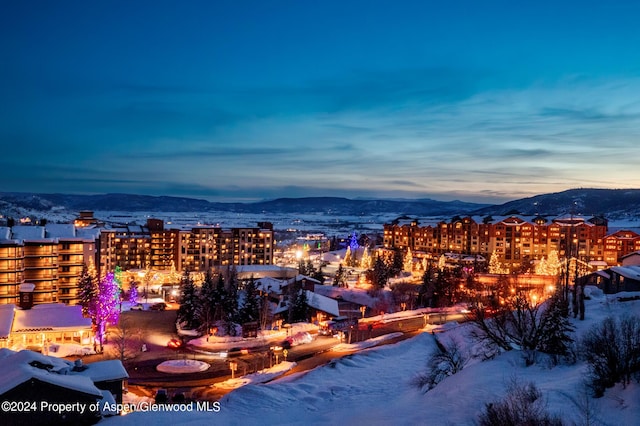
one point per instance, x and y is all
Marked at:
(158, 327)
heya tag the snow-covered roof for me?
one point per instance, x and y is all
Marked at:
(315, 301)
(22, 232)
(5, 233)
(88, 233)
(270, 285)
(322, 303)
(631, 272)
(60, 230)
(50, 316)
(6, 320)
(101, 371)
(19, 367)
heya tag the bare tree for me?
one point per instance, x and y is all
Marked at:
(127, 339)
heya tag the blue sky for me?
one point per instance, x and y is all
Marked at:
(237, 100)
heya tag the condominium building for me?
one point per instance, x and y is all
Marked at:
(198, 248)
(514, 239)
(50, 257)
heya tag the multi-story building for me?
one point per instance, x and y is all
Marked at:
(49, 257)
(198, 248)
(514, 239)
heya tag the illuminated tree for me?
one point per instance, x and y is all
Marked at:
(103, 309)
(347, 257)
(495, 266)
(408, 261)
(133, 292)
(365, 261)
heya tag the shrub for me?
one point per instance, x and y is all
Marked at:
(522, 405)
(612, 351)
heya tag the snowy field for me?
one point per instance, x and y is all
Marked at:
(374, 387)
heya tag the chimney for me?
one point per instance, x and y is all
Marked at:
(26, 295)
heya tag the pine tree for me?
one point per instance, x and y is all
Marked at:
(189, 311)
(347, 257)
(207, 299)
(220, 296)
(300, 309)
(251, 308)
(318, 275)
(88, 290)
(379, 275)
(230, 302)
(495, 266)
(365, 261)
(338, 279)
(407, 265)
(556, 338)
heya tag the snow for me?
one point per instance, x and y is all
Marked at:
(50, 316)
(101, 371)
(180, 366)
(6, 320)
(16, 369)
(350, 347)
(261, 376)
(220, 344)
(374, 386)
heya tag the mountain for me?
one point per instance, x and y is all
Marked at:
(611, 203)
(11, 202)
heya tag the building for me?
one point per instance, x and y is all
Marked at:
(50, 257)
(516, 240)
(614, 279)
(32, 378)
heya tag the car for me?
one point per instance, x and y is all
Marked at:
(158, 306)
(233, 352)
(137, 307)
(175, 344)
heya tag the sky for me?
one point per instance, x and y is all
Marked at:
(249, 100)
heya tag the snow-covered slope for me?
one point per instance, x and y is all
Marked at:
(375, 387)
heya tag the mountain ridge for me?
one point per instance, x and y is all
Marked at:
(613, 203)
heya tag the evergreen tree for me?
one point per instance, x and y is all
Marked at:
(338, 279)
(407, 264)
(251, 308)
(302, 267)
(556, 339)
(207, 300)
(495, 266)
(230, 302)
(397, 263)
(347, 257)
(318, 275)
(88, 290)
(379, 275)
(300, 310)
(365, 261)
(220, 296)
(189, 311)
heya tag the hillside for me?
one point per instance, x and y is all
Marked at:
(13, 202)
(611, 203)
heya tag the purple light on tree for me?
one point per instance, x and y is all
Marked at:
(104, 309)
